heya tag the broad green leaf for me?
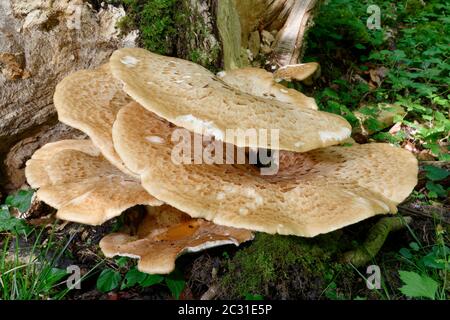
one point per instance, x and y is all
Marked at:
(435, 173)
(108, 280)
(417, 286)
(122, 262)
(21, 200)
(151, 280)
(133, 277)
(435, 189)
(176, 283)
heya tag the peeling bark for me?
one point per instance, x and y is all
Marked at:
(290, 39)
(42, 41)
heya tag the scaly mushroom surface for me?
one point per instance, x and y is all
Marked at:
(73, 177)
(191, 97)
(312, 193)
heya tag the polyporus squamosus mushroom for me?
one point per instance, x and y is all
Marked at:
(165, 234)
(89, 100)
(190, 96)
(297, 72)
(85, 179)
(312, 193)
(260, 83)
(73, 177)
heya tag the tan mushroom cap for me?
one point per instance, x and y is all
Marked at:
(260, 83)
(297, 72)
(165, 234)
(89, 100)
(312, 193)
(191, 97)
(73, 177)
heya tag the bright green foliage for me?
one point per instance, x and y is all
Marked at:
(435, 173)
(112, 279)
(412, 47)
(20, 201)
(155, 20)
(175, 283)
(108, 280)
(426, 268)
(435, 189)
(417, 286)
(9, 223)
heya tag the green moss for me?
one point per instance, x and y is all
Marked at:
(155, 19)
(172, 28)
(283, 266)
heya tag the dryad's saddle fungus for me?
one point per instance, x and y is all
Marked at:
(260, 83)
(73, 177)
(312, 193)
(191, 97)
(165, 234)
(89, 100)
(318, 187)
(296, 72)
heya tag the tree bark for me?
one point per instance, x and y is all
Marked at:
(42, 41)
(288, 19)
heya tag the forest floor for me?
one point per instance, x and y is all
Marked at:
(403, 64)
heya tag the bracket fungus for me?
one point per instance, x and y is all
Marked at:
(165, 234)
(312, 193)
(189, 96)
(297, 72)
(260, 83)
(89, 100)
(130, 109)
(73, 177)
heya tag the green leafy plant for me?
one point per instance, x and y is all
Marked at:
(9, 223)
(411, 50)
(418, 286)
(20, 201)
(111, 279)
(435, 174)
(428, 268)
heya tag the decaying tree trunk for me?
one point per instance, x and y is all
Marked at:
(41, 41)
(244, 26)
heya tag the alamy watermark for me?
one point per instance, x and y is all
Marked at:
(374, 20)
(373, 280)
(74, 279)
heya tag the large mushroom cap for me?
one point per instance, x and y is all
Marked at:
(73, 177)
(89, 100)
(260, 83)
(297, 72)
(312, 193)
(165, 234)
(190, 96)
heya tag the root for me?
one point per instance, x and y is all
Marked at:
(375, 240)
